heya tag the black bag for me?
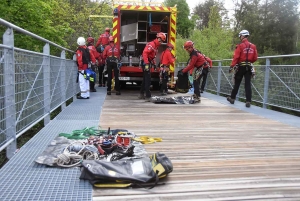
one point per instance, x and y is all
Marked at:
(161, 164)
(182, 84)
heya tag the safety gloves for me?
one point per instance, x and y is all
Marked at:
(231, 69)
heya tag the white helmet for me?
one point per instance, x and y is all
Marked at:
(81, 41)
(244, 33)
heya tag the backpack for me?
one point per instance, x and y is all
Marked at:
(86, 59)
(126, 172)
(182, 84)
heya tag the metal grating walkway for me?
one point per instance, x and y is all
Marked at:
(23, 179)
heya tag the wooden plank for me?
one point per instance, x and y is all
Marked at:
(218, 152)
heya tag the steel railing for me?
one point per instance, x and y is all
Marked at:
(32, 85)
(274, 85)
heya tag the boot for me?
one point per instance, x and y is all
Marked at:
(148, 99)
(108, 93)
(230, 100)
(248, 104)
(196, 98)
(93, 90)
(118, 93)
(141, 96)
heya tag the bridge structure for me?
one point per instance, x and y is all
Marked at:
(219, 151)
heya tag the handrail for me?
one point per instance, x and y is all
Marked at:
(14, 27)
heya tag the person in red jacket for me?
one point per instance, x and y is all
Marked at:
(205, 71)
(244, 55)
(166, 60)
(90, 45)
(103, 39)
(111, 55)
(196, 63)
(149, 54)
(83, 56)
(101, 66)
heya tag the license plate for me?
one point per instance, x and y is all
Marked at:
(124, 78)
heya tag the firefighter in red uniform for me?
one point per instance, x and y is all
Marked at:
(244, 55)
(101, 65)
(83, 56)
(166, 60)
(196, 62)
(111, 54)
(205, 71)
(90, 45)
(103, 38)
(148, 61)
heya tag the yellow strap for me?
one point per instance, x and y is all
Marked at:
(147, 140)
(112, 185)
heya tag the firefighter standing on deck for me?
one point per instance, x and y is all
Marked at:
(244, 55)
(205, 71)
(167, 59)
(83, 56)
(196, 62)
(112, 56)
(149, 54)
(90, 45)
(101, 65)
(104, 38)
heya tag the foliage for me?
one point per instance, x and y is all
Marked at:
(184, 24)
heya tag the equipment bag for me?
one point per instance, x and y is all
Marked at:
(161, 164)
(182, 84)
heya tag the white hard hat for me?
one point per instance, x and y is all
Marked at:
(244, 33)
(81, 41)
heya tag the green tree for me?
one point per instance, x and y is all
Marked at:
(184, 24)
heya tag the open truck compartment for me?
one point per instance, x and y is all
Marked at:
(137, 29)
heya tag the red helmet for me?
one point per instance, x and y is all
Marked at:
(170, 45)
(90, 40)
(188, 44)
(111, 39)
(107, 29)
(161, 35)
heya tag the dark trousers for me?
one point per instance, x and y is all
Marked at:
(145, 87)
(101, 76)
(196, 84)
(164, 83)
(112, 66)
(204, 76)
(242, 72)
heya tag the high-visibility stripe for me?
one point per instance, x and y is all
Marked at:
(148, 8)
(115, 30)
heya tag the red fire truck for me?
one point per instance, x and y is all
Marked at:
(133, 27)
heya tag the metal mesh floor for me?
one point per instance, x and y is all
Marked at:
(23, 179)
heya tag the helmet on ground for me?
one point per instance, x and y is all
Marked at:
(90, 40)
(161, 35)
(81, 41)
(107, 29)
(111, 39)
(188, 44)
(244, 33)
(170, 45)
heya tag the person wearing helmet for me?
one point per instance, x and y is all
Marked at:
(166, 60)
(90, 45)
(196, 63)
(149, 54)
(244, 55)
(103, 39)
(111, 55)
(84, 56)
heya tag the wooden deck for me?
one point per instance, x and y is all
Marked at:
(218, 152)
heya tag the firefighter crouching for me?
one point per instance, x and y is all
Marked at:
(111, 54)
(166, 60)
(244, 55)
(149, 54)
(90, 45)
(196, 63)
(83, 56)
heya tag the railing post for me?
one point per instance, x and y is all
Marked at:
(219, 78)
(63, 79)
(47, 82)
(266, 84)
(75, 86)
(9, 92)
